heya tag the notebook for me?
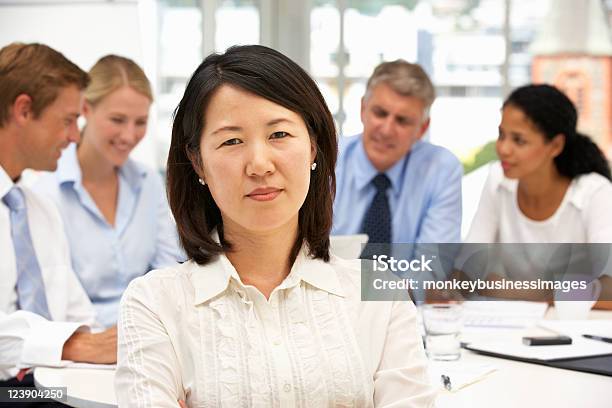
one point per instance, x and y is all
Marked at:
(587, 355)
(514, 348)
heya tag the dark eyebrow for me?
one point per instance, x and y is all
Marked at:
(238, 128)
(277, 121)
(227, 129)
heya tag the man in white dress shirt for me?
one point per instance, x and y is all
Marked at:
(44, 311)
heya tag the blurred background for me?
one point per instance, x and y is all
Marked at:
(475, 51)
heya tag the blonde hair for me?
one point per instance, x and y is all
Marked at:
(404, 78)
(112, 72)
(38, 71)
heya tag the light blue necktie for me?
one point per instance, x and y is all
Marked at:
(30, 286)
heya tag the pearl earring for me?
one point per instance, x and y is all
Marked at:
(313, 166)
(202, 182)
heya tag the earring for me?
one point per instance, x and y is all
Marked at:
(313, 166)
(202, 182)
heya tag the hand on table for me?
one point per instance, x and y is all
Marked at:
(99, 348)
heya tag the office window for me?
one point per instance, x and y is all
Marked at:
(188, 30)
(180, 52)
(460, 43)
(236, 23)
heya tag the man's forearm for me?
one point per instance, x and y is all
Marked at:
(100, 348)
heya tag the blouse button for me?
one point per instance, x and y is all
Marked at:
(287, 387)
(276, 342)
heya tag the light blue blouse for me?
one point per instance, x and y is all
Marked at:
(106, 257)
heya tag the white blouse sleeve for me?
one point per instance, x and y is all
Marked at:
(148, 373)
(598, 217)
(402, 378)
(486, 220)
(598, 223)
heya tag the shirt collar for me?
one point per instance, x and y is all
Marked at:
(579, 194)
(69, 170)
(315, 272)
(5, 182)
(133, 173)
(364, 170)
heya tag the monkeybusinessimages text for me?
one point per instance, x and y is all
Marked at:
(400, 267)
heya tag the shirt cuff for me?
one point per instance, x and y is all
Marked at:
(45, 343)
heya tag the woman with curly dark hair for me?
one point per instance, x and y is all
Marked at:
(552, 184)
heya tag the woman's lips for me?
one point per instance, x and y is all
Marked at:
(264, 194)
(506, 165)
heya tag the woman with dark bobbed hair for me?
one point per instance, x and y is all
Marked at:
(261, 314)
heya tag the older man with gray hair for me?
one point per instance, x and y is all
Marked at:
(392, 185)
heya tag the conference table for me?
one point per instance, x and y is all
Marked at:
(512, 384)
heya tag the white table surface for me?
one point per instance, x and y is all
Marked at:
(513, 384)
(86, 388)
(524, 385)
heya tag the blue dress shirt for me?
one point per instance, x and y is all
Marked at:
(106, 257)
(424, 198)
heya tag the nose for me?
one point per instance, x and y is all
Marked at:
(73, 133)
(129, 134)
(503, 148)
(386, 127)
(260, 162)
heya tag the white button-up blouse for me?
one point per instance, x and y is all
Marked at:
(199, 334)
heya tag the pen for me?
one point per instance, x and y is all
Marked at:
(600, 338)
(446, 381)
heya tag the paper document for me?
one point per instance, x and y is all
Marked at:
(514, 347)
(509, 314)
(575, 328)
(459, 374)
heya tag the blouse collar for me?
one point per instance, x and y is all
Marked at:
(213, 279)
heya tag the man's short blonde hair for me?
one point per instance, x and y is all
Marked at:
(35, 70)
(404, 78)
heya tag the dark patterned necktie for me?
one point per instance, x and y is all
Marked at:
(377, 220)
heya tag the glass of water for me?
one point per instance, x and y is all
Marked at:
(443, 323)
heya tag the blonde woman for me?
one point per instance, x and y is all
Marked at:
(115, 210)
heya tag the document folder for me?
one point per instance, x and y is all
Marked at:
(596, 365)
